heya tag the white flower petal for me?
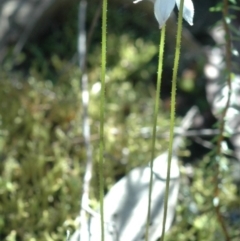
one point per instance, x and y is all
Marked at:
(137, 1)
(162, 10)
(188, 10)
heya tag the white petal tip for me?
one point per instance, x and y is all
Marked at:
(162, 10)
(137, 1)
(188, 10)
(189, 20)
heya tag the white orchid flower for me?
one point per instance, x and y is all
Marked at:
(163, 9)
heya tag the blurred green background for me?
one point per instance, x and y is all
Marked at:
(42, 153)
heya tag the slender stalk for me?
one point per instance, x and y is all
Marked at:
(102, 105)
(82, 52)
(220, 219)
(172, 115)
(156, 107)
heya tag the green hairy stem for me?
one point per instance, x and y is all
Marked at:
(102, 104)
(172, 115)
(156, 108)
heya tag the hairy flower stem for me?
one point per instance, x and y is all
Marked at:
(102, 105)
(156, 108)
(172, 115)
(222, 121)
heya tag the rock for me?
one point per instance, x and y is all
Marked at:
(126, 204)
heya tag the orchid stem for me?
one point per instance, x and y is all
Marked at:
(102, 105)
(156, 108)
(172, 115)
